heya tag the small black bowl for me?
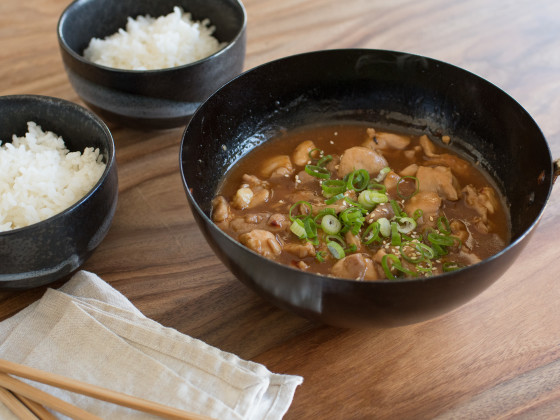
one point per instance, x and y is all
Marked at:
(379, 87)
(44, 252)
(153, 99)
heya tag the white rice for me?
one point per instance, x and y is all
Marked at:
(149, 43)
(40, 177)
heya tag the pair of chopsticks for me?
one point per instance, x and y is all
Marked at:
(28, 402)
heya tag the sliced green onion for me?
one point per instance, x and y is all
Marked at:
(416, 189)
(425, 267)
(298, 228)
(333, 187)
(336, 250)
(371, 234)
(374, 186)
(351, 248)
(310, 227)
(324, 160)
(310, 154)
(357, 180)
(443, 225)
(397, 209)
(330, 224)
(451, 266)
(384, 226)
(303, 215)
(418, 213)
(425, 250)
(395, 235)
(396, 264)
(369, 198)
(442, 240)
(317, 171)
(406, 224)
(411, 258)
(382, 174)
(322, 213)
(320, 256)
(334, 199)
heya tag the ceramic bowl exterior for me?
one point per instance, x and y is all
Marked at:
(386, 87)
(153, 99)
(55, 247)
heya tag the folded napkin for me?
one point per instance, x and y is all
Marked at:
(88, 331)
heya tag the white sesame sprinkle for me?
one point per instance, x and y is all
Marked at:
(224, 147)
(331, 142)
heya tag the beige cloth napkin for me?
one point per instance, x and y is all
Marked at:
(89, 331)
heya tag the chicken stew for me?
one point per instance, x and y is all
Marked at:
(350, 201)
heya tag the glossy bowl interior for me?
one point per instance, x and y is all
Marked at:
(47, 251)
(385, 88)
(155, 98)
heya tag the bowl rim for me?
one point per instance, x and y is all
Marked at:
(79, 57)
(318, 277)
(110, 164)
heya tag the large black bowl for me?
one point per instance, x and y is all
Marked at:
(153, 99)
(386, 88)
(49, 250)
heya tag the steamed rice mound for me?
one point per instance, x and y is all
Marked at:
(40, 177)
(150, 44)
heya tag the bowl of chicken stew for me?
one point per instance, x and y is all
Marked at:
(365, 187)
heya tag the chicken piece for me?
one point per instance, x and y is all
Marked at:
(459, 230)
(278, 221)
(280, 165)
(410, 170)
(356, 267)
(359, 157)
(221, 211)
(427, 146)
(254, 182)
(300, 156)
(438, 179)
(427, 201)
(381, 210)
(391, 180)
(246, 223)
(352, 239)
(301, 250)
(484, 201)
(385, 141)
(262, 242)
(259, 197)
(242, 198)
(460, 166)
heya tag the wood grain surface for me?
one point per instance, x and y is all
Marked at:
(496, 357)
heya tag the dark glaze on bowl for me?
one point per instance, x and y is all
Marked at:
(44, 252)
(155, 98)
(387, 88)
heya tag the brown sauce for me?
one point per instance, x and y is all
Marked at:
(458, 201)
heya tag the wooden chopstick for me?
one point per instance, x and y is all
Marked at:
(90, 390)
(41, 412)
(21, 388)
(20, 410)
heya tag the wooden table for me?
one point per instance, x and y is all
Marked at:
(497, 356)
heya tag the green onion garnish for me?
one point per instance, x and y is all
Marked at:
(406, 225)
(332, 187)
(330, 224)
(357, 180)
(384, 226)
(317, 171)
(336, 250)
(443, 225)
(369, 198)
(382, 174)
(416, 185)
(334, 199)
(395, 235)
(371, 234)
(298, 228)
